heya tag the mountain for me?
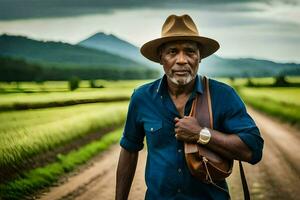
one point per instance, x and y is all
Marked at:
(212, 66)
(107, 51)
(245, 67)
(115, 45)
(60, 54)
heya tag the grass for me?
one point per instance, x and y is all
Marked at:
(24, 134)
(41, 130)
(39, 178)
(282, 103)
(238, 82)
(42, 100)
(62, 86)
(29, 95)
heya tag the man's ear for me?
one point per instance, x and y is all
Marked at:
(160, 55)
(160, 61)
(199, 50)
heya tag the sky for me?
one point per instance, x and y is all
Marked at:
(263, 29)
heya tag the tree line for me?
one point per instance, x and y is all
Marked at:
(14, 69)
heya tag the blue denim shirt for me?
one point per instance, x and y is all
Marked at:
(151, 113)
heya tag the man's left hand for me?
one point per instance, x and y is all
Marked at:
(187, 129)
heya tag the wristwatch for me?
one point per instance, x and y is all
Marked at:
(204, 136)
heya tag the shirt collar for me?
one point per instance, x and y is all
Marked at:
(162, 86)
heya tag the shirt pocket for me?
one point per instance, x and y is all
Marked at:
(154, 133)
(153, 127)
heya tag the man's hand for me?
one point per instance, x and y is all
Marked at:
(187, 129)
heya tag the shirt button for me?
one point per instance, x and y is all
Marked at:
(179, 190)
(179, 170)
(179, 150)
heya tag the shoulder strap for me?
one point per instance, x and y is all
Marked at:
(203, 110)
(244, 182)
(206, 97)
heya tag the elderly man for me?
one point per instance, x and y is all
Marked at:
(159, 110)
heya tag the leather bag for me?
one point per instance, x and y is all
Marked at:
(203, 163)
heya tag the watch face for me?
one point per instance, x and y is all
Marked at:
(204, 136)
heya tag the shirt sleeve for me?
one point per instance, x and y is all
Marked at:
(133, 134)
(238, 121)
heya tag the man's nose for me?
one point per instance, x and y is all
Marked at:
(181, 58)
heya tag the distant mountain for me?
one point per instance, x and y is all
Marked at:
(211, 66)
(244, 67)
(60, 54)
(107, 51)
(115, 45)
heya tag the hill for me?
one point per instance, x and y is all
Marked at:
(246, 67)
(212, 66)
(112, 44)
(60, 54)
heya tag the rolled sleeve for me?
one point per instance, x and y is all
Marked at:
(254, 142)
(133, 134)
(239, 122)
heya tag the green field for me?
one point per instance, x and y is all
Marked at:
(58, 94)
(62, 86)
(27, 133)
(282, 103)
(38, 178)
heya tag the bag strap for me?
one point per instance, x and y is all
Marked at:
(242, 173)
(244, 182)
(206, 118)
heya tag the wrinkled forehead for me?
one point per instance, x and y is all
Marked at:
(182, 43)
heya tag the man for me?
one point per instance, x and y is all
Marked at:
(159, 110)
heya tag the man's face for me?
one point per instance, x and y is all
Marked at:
(180, 60)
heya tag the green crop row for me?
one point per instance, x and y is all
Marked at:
(23, 101)
(24, 134)
(13, 120)
(42, 177)
(282, 103)
(62, 86)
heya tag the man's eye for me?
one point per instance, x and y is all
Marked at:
(172, 51)
(191, 51)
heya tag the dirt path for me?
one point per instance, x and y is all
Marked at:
(277, 176)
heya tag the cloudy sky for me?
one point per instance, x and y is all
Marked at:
(267, 29)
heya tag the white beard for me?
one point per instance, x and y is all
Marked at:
(181, 81)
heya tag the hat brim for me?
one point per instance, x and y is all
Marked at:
(150, 49)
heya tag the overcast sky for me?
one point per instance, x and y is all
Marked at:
(267, 29)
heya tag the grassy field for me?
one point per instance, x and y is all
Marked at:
(282, 103)
(21, 101)
(58, 94)
(39, 178)
(62, 86)
(27, 133)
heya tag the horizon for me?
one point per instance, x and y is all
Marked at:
(255, 58)
(244, 29)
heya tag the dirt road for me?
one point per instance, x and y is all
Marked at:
(277, 176)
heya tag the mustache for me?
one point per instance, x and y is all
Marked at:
(181, 68)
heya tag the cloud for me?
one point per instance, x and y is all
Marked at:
(20, 9)
(268, 28)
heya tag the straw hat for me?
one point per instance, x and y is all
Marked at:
(179, 28)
